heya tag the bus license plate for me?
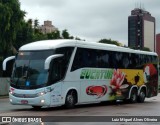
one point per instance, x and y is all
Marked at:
(24, 101)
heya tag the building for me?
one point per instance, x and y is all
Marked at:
(47, 27)
(158, 44)
(141, 30)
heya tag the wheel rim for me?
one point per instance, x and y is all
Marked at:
(133, 97)
(142, 95)
(70, 99)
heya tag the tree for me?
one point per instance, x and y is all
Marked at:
(10, 18)
(146, 49)
(65, 34)
(143, 49)
(54, 35)
(109, 41)
(30, 22)
(57, 34)
(36, 25)
(24, 34)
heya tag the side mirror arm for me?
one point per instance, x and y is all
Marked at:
(49, 59)
(6, 60)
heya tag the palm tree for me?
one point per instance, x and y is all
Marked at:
(36, 25)
(30, 22)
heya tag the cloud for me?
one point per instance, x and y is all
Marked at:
(91, 20)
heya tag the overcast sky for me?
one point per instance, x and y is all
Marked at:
(91, 20)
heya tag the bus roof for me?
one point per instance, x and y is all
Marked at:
(52, 44)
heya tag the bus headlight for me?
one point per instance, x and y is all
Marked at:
(41, 93)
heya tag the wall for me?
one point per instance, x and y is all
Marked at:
(149, 35)
(158, 44)
(4, 86)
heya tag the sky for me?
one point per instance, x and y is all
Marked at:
(91, 20)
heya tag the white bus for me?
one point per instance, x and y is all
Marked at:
(69, 72)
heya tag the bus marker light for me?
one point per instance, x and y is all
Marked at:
(11, 91)
(42, 93)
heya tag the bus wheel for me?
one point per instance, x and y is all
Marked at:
(70, 99)
(133, 97)
(37, 107)
(141, 96)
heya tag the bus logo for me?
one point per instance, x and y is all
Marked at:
(96, 90)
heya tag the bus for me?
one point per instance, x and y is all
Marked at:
(53, 73)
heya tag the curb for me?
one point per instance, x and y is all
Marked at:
(3, 97)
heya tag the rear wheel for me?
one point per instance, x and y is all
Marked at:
(71, 99)
(133, 97)
(141, 96)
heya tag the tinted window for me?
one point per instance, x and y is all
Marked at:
(109, 59)
(59, 65)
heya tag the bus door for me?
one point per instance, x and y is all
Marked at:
(56, 80)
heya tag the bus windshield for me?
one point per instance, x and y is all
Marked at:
(29, 72)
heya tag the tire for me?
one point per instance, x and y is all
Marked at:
(70, 99)
(133, 97)
(141, 96)
(37, 107)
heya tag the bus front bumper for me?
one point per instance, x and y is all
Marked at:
(37, 101)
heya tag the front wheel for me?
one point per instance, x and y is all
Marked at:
(133, 97)
(141, 96)
(70, 100)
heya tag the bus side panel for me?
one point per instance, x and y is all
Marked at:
(56, 93)
(151, 79)
(94, 90)
(117, 84)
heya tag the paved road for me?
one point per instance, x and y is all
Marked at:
(151, 107)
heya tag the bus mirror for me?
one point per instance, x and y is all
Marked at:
(49, 59)
(6, 60)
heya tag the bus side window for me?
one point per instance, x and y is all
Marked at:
(125, 61)
(77, 62)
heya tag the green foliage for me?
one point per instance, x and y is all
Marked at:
(15, 31)
(10, 18)
(36, 24)
(39, 36)
(109, 41)
(66, 35)
(24, 34)
(145, 49)
(54, 35)
(30, 33)
(77, 38)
